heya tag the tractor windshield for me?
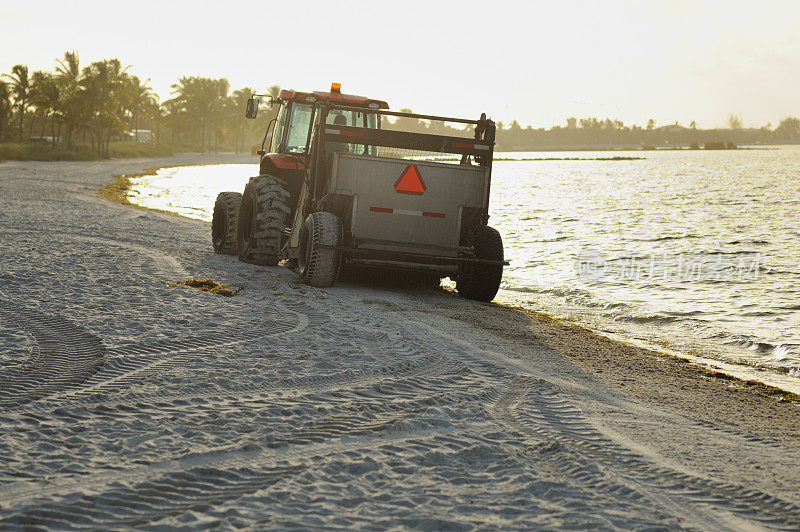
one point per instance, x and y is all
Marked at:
(298, 128)
(300, 119)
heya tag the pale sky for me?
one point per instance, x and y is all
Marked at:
(538, 61)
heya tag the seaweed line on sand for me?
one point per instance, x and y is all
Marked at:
(117, 191)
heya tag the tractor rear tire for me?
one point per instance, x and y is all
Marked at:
(263, 217)
(224, 222)
(318, 265)
(481, 281)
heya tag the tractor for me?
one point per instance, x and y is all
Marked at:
(338, 188)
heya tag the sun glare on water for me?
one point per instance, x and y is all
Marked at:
(190, 190)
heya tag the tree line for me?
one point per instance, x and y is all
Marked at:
(76, 107)
(591, 132)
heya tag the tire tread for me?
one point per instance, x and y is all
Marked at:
(272, 210)
(227, 202)
(322, 268)
(482, 281)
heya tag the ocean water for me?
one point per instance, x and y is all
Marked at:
(695, 250)
(698, 251)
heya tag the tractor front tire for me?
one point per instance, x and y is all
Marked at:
(263, 217)
(481, 281)
(317, 264)
(224, 222)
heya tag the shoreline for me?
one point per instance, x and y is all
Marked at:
(708, 367)
(777, 377)
(117, 190)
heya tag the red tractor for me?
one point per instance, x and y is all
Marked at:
(336, 188)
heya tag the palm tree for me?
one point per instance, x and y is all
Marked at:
(68, 77)
(199, 103)
(69, 68)
(20, 88)
(44, 96)
(138, 97)
(238, 105)
(177, 108)
(153, 114)
(218, 102)
(5, 107)
(103, 82)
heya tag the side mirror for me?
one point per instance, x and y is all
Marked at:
(252, 108)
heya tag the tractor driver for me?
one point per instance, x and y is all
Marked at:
(341, 147)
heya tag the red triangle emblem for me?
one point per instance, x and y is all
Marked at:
(410, 182)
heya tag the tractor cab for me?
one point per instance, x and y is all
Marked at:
(293, 131)
(285, 153)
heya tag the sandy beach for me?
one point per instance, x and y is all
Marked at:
(130, 401)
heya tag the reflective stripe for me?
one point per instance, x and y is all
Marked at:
(331, 131)
(408, 213)
(470, 146)
(462, 145)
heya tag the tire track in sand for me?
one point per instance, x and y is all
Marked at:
(146, 493)
(134, 363)
(380, 409)
(66, 355)
(579, 452)
(540, 409)
(70, 362)
(148, 260)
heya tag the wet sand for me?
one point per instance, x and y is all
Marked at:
(128, 400)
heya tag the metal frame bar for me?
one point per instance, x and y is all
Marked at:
(408, 140)
(264, 140)
(334, 105)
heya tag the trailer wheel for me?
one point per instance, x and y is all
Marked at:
(224, 222)
(263, 216)
(317, 265)
(481, 281)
